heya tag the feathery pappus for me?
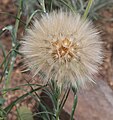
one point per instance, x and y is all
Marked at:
(64, 47)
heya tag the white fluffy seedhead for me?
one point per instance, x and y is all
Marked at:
(63, 47)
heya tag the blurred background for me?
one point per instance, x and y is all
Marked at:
(95, 102)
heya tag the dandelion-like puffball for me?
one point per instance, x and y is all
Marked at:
(62, 46)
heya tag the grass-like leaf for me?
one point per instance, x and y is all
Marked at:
(8, 108)
(24, 113)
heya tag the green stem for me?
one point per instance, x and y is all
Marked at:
(10, 69)
(18, 16)
(57, 111)
(10, 106)
(70, 6)
(74, 107)
(42, 2)
(64, 99)
(87, 9)
(14, 42)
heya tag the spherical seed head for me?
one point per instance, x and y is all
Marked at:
(63, 47)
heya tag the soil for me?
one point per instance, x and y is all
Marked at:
(106, 70)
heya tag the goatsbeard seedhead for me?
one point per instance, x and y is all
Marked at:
(61, 46)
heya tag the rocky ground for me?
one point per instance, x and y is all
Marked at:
(95, 102)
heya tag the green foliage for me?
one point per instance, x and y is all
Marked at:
(52, 101)
(2, 100)
(2, 114)
(98, 5)
(80, 6)
(24, 113)
(30, 8)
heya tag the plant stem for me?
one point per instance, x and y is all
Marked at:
(18, 16)
(10, 69)
(57, 111)
(74, 107)
(42, 2)
(14, 42)
(10, 106)
(87, 9)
